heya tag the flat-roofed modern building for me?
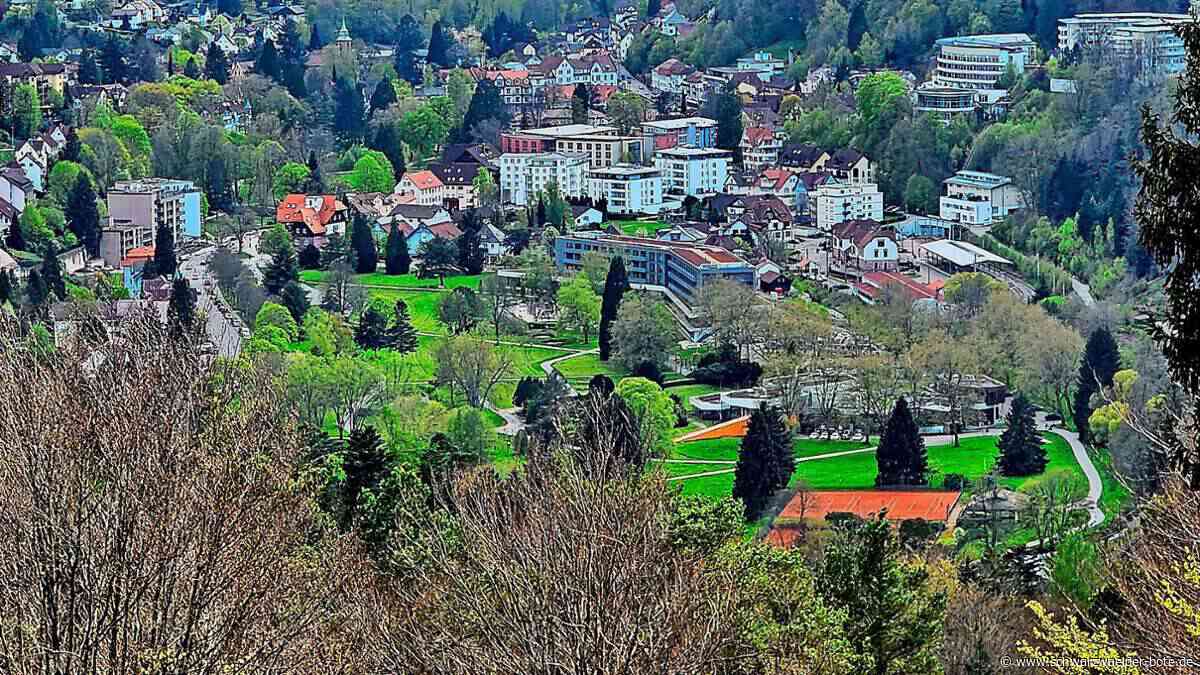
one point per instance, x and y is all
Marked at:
(693, 171)
(524, 175)
(136, 208)
(628, 189)
(681, 269)
(978, 198)
(838, 202)
(694, 132)
(976, 64)
(600, 144)
(1147, 37)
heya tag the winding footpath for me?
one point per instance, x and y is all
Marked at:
(1095, 485)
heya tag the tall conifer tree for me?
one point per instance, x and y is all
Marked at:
(615, 285)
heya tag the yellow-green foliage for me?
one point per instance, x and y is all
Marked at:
(1074, 650)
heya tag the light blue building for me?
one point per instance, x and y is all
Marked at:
(692, 132)
(682, 269)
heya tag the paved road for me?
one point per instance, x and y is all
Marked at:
(224, 332)
(1095, 485)
(1083, 291)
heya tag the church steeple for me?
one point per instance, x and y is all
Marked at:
(344, 43)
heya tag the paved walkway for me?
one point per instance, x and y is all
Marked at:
(1083, 291)
(548, 366)
(513, 423)
(1095, 485)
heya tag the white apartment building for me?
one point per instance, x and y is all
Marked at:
(525, 175)
(693, 171)
(973, 63)
(978, 198)
(628, 189)
(838, 202)
(1145, 36)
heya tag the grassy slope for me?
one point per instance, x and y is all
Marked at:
(399, 280)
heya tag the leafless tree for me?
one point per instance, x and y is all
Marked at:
(470, 365)
(550, 571)
(153, 521)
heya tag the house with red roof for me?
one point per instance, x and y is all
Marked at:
(312, 218)
(760, 148)
(423, 188)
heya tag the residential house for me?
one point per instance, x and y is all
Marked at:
(421, 187)
(864, 245)
(15, 187)
(668, 76)
(850, 166)
(585, 217)
(45, 77)
(458, 180)
(312, 218)
(423, 233)
(760, 148)
(802, 157)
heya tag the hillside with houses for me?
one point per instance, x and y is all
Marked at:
(853, 336)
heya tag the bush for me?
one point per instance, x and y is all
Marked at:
(954, 481)
(681, 419)
(650, 371)
(728, 374)
(310, 257)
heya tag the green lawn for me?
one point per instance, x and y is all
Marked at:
(687, 391)
(422, 307)
(714, 487)
(502, 457)
(726, 449)
(1115, 496)
(580, 369)
(399, 280)
(974, 458)
(637, 228)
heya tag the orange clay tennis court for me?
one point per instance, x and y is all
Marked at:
(934, 505)
(734, 428)
(900, 504)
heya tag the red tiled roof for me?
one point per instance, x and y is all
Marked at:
(915, 289)
(137, 255)
(424, 180)
(295, 209)
(757, 135)
(445, 230)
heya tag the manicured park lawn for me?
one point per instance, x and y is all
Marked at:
(687, 391)
(399, 280)
(974, 458)
(714, 487)
(580, 369)
(422, 307)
